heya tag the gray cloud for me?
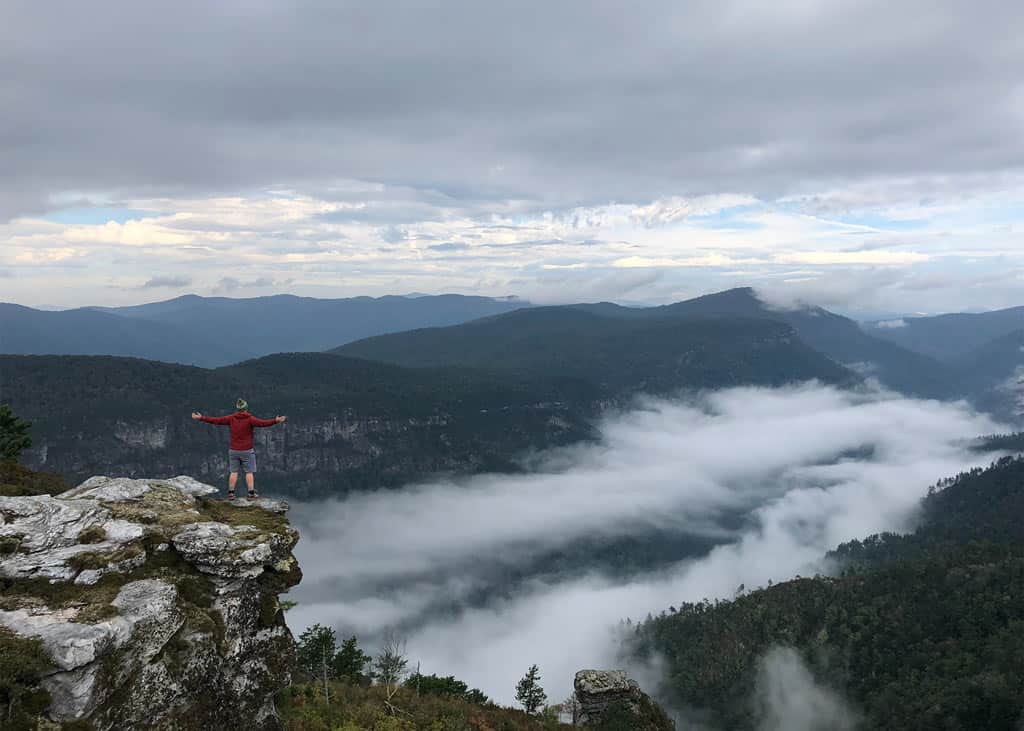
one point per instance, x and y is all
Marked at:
(172, 282)
(231, 284)
(564, 286)
(799, 469)
(972, 285)
(492, 101)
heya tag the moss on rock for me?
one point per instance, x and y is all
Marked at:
(41, 593)
(244, 514)
(9, 544)
(93, 534)
(93, 560)
(22, 662)
(162, 506)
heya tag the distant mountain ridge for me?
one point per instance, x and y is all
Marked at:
(839, 338)
(984, 350)
(652, 354)
(216, 331)
(24, 331)
(943, 357)
(951, 337)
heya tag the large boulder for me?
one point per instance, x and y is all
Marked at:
(609, 700)
(149, 604)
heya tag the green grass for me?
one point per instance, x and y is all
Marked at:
(244, 514)
(22, 662)
(356, 708)
(19, 481)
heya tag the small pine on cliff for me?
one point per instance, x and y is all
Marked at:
(142, 603)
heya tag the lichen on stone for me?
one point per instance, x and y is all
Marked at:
(158, 606)
(608, 700)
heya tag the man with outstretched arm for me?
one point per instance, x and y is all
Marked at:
(241, 454)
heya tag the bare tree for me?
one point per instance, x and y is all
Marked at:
(325, 660)
(390, 665)
(570, 707)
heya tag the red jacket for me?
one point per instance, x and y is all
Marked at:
(242, 424)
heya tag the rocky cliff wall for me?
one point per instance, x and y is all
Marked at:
(145, 604)
(312, 454)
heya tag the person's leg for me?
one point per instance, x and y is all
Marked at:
(250, 472)
(235, 464)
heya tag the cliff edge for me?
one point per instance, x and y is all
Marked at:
(144, 603)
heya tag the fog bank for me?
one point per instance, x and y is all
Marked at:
(488, 575)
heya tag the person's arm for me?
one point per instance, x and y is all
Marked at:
(267, 422)
(219, 420)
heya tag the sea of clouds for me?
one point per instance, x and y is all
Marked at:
(771, 478)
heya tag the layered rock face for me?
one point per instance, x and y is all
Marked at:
(312, 457)
(608, 699)
(156, 606)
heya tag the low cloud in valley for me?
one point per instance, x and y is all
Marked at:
(490, 574)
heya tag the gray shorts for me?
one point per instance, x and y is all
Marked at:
(242, 460)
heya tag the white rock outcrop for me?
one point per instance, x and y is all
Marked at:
(157, 607)
(610, 697)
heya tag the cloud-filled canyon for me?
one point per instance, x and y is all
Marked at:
(486, 575)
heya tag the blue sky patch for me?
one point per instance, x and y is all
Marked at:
(96, 216)
(885, 224)
(729, 218)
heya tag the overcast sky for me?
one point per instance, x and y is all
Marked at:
(865, 155)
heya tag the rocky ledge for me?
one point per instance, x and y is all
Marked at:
(146, 604)
(608, 699)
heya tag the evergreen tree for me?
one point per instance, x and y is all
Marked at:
(315, 650)
(14, 437)
(529, 694)
(477, 696)
(445, 686)
(350, 662)
(436, 685)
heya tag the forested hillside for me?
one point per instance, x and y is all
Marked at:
(838, 337)
(356, 424)
(525, 339)
(918, 632)
(353, 424)
(649, 354)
